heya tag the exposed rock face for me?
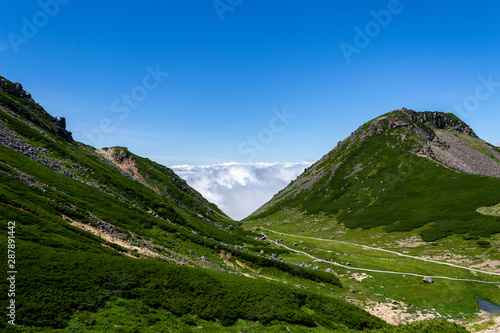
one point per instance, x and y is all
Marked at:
(124, 162)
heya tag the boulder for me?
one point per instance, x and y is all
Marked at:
(427, 280)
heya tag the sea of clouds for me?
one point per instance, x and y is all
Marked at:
(240, 188)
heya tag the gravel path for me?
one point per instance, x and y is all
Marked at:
(381, 271)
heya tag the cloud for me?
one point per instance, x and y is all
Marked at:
(240, 188)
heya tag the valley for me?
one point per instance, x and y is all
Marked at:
(107, 240)
(386, 270)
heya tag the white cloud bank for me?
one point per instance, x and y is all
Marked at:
(240, 188)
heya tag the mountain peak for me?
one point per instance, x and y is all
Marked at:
(391, 162)
(441, 137)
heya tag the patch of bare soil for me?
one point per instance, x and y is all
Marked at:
(413, 241)
(127, 165)
(141, 252)
(225, 256)
(360, 276)
(488, 265)
(394, 312)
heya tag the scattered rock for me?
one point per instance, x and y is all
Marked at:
(12, 140)
(427, 280)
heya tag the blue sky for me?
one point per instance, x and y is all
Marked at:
(236, 67)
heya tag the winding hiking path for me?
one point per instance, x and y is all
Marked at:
(383, 250)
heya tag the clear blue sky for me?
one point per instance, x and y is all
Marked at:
(230, 63)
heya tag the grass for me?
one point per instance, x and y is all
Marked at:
(452, 299)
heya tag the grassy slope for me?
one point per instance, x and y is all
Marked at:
(51, 250)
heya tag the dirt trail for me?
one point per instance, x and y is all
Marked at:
(393, 252)
(381, 271)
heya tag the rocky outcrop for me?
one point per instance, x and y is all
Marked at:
(15, 89)
(60, 124)
(405, 118)
(442, 121)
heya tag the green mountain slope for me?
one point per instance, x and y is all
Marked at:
(402, 170)
(94, 229)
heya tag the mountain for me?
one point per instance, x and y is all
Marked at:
(403, 170)
(105, 240)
